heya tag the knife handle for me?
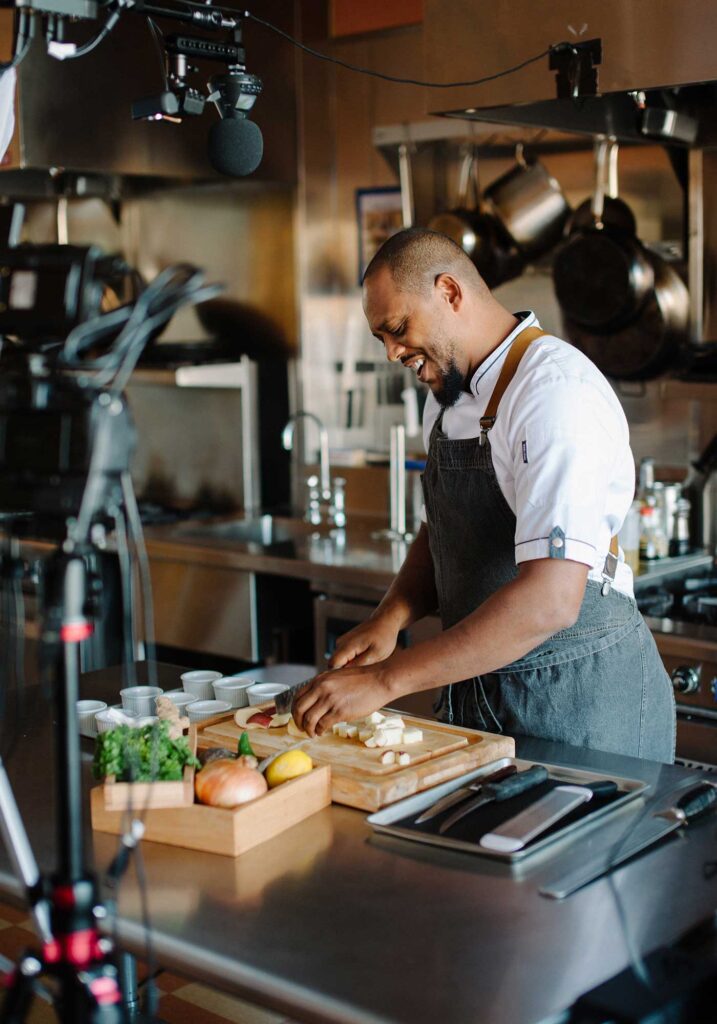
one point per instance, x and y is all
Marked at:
(698, 800)
(602, 788)
(516, 783)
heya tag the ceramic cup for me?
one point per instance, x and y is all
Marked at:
(263, 693)
(234, 689)
(140, 698)
(86, 711)
(199, 683)
(201, 709)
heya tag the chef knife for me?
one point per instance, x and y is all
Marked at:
(498, 791)
(517, 832)
(463, 793)
(693, 804)
(284, 700)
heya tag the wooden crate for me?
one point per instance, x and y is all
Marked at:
(215, 830)
(141, 796)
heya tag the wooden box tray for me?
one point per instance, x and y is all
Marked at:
(358, 778)
(141, 796)
(215, 830)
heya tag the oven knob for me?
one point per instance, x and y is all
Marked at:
(686, 679)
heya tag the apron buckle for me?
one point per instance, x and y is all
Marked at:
(486, 422)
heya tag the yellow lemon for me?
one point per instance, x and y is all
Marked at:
(288, 766)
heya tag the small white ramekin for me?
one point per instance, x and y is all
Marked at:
(140, 698)
(178, 697)
(262, 693)
(146, 720)
(199, 683)
(105, 720)
(202, 709)
(86, 711)
(233, 689)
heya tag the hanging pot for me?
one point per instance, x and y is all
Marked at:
(653, 343)
(602, 274)
(530, 205)
(479, 233)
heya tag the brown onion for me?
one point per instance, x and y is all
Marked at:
(229, 783)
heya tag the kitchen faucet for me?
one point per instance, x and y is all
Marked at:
(287, 440)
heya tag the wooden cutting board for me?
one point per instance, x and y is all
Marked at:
(358, 778)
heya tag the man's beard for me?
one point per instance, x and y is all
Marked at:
(451, 386)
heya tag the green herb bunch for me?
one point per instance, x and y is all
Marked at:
(144, 754)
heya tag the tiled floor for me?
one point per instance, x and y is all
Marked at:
(181, 1000)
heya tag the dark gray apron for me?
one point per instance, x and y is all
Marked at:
(600, 683)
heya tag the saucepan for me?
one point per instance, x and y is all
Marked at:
(478, 232)
(530, 204)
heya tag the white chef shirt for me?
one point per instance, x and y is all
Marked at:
(560, 447)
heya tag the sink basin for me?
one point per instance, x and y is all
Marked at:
(263, 530)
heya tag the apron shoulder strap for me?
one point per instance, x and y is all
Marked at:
(515, 354)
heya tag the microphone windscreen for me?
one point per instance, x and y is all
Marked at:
(236, 146)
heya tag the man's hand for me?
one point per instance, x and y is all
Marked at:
(370, 642)
(341, 696)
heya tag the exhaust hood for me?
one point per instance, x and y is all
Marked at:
(653, 52)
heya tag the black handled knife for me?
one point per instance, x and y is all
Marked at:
(695, 802)
(459, 795)
(498, 791)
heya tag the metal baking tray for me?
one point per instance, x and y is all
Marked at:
(384, 821)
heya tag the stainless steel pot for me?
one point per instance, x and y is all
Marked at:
(478, 232)
(530, 205)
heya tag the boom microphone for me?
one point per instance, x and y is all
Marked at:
(236, 146)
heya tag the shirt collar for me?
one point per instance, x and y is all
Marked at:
(490, 366)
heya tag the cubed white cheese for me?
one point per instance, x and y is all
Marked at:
(388, 736)
(404, 758)
(337, 727)
(372, 742)
(343, 730)
(411, 735)
(374, 718)
(393, 722)
(351, 731)
(365, 733)
(388, 757)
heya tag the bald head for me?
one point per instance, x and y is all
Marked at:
(415, 257)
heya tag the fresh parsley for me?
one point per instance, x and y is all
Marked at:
(145, 754)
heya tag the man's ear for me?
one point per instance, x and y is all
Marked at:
(449, 290)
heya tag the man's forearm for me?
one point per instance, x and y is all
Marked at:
(512, 622)
(413, 592)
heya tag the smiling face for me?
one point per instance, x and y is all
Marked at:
(422, 331)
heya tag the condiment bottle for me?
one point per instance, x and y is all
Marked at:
(680, 539)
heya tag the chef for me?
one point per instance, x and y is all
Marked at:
(529, 476)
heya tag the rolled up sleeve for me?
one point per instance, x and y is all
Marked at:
(562, 468)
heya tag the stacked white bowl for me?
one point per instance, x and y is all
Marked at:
(234, 689)
(180, 698)
(140, 699)
(110, 718)
(262, 693)
(200, 683)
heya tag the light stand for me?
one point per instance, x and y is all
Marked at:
(66, 909)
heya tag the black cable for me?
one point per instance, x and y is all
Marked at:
(93, 43)
(136, 534)
(127, 588)
(395, 78)
(159, 44)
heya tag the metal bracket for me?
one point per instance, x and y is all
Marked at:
(575, 64)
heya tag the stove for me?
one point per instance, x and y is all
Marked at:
(681, 612)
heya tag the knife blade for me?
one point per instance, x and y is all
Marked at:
(695, 802)
(498, 791)
(518, 831)
(284, 700)
(458, 795)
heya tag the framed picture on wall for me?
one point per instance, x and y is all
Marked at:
(379, 215)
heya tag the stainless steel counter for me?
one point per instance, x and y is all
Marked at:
(329, 923)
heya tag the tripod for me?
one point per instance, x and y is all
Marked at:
(75, 961)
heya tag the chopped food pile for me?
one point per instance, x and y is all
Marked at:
(379, 730)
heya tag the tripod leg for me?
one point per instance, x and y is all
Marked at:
(20, 990)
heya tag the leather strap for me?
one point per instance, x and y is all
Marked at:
(515, 354)
(512, 361)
